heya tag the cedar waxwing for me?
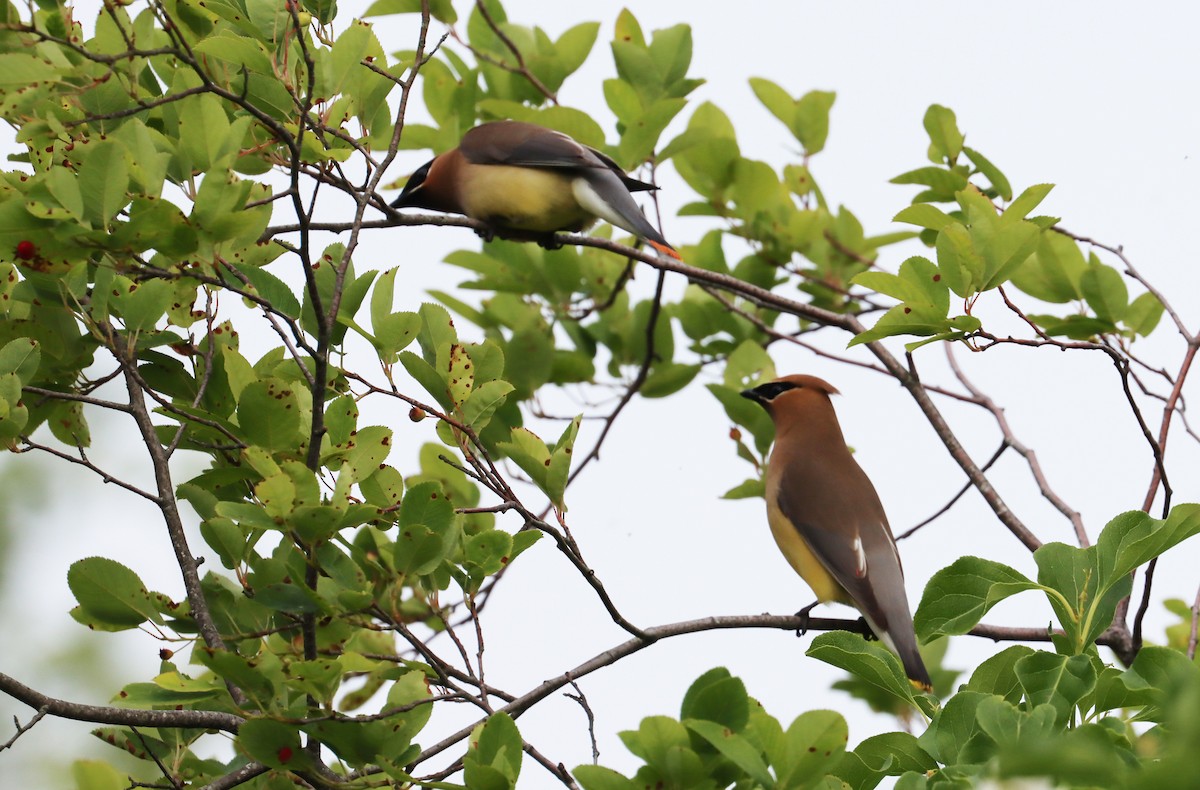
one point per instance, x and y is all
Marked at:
(827, 518)
(525, 177)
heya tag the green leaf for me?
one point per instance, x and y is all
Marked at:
(925, 216)
(529, 453)
(427, 377)
(428, 530)
(478, 409)
(225, 538)
(110, 592)
(1087, 594)
(272, 743)
(925, 301)
(597, 777)
(369, 448)
(667, 379)
(1027, 201)
(955, 736)
(272, 289)
(867, 660)
(251, 675)
(810, 120)
(900, 748)
(1134, 538)
(718, 697)
(997, 674)
(997, 179)
(1143, 314)
(103, 181)
(21, 357)
(815, 743)
(1104, 289)
(93, 774)
(269, 414)
(1061, 681)
(441, 10)
(748, 489)
(1009, 725)
(1052, 273)
(495, 754)
(560, 464)
(735, 748)
(946, 141)
(942, 183)
(487, 553)
(959, 595)
(142, 305)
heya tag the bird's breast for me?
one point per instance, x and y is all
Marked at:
(522, 198)
(790, 539)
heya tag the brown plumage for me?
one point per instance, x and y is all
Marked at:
(827, 518)
(524, 177)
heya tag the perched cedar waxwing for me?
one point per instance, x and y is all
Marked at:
(525, 177)
(827, 518)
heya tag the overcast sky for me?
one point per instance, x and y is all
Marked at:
(1096, 98)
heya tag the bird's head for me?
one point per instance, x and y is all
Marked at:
(412, 195)
(787, 388)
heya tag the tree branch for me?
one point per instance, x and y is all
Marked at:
(130, 717)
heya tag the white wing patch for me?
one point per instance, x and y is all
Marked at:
(860, 558)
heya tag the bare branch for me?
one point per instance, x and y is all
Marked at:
(24, 728)
(169, 507)
(652, 635)
(1010, 439)
(908, 533)
(581, 698)
(28, 445)
(240, 776)
(129, 717)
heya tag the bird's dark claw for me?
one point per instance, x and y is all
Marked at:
(550, 242)
(487, 234)
(803, 615)
(867, 633)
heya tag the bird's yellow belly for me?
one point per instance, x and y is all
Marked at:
(801, 557)
(523, 198)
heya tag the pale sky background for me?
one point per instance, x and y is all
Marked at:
(1095, 97)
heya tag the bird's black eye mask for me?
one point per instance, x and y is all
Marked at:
(773, 389)
(765, 393)
(414, 181)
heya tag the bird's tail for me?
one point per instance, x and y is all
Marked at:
(904, 644)
(665, 249)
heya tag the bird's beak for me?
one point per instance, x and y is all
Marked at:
(752, 395)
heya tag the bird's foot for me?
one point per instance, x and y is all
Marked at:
(487, 234)
(803, 615)
(550, 242)
(867, 633)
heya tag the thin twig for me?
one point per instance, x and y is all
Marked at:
(954, 499)
(1010, 439)
(1145, 604)
(581, 698)
(24, 728)
(28, 444)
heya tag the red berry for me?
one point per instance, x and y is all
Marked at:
(284, 754)
(165, 654)
(26, 250)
